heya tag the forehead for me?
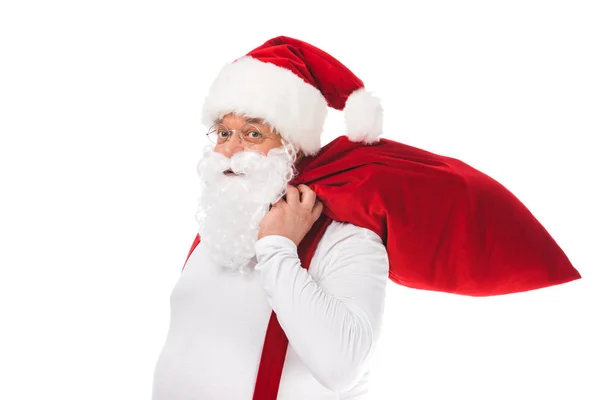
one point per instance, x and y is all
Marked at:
(234, 119)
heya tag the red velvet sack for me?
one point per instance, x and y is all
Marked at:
(447, 226)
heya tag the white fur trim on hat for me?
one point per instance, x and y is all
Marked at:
(264, 90)
(363, 115)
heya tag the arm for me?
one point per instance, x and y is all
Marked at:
(332, 323)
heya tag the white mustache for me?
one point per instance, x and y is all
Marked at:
(244, 163)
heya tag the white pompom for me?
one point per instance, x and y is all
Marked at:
(364, 117)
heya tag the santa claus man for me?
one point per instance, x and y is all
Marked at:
(266, 112)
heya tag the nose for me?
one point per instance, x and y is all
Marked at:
(232, 146)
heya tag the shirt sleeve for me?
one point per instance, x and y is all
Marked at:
(333, 323)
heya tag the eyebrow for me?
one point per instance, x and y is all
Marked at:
(256, 121)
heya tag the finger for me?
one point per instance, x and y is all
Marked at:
(308, 196)
(278, 203)
(292, 195)
(318, 208)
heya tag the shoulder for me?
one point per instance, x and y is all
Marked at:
(340, 232)
(345, 244)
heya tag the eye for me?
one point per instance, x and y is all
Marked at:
(251, 133)
(221, 131)
(254, 134)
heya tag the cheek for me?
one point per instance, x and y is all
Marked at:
(219, 149)
(265, 147)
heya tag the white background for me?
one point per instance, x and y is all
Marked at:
(100, 135)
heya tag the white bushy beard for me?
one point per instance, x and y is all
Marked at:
(231, 208)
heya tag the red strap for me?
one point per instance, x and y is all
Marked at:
(276, 342)
(196, 241)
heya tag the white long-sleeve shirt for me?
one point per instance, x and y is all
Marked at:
(331, 315)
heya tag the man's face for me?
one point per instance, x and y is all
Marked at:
(232, 205)
(235, 145)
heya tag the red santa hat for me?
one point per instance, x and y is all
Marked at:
(290, 83)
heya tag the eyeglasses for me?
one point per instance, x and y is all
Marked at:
(219, 134)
